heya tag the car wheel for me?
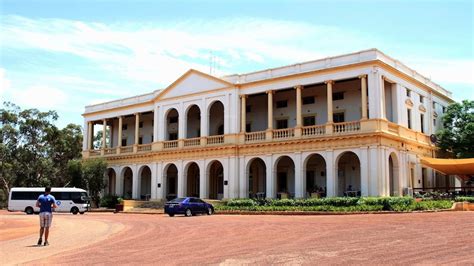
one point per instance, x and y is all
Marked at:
(171, 214)
(29, 210)
(188, 212)
(74, 210)
(209, 211)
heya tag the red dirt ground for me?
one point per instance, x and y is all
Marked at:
(426, 238)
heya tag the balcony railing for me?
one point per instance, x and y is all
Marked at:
(170, 144)
(316, 130)
(346, 127)
(212, 140)
(94, 153)
(255, 136)
(192, 142)
(285, 133)
(144, 147)
(109, 151)
(126, 149)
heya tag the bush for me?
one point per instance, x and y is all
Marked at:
(432, 205)
(468, 199)
(241, 203)
(109, 201)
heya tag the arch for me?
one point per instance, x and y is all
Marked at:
(172, 124)
(215, 180)
(256, 173)
(111, 179)
(127, 177)
(393, 175)
(315, 175)
(193, 121)
(144, 182)
(348, 174)
(216, 118)
(170, 184)
(285, 177)
(192, 179)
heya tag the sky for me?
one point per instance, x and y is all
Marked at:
(64, 55)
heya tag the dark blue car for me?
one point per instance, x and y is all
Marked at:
(188, 206)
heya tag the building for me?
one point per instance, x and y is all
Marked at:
(355, 124)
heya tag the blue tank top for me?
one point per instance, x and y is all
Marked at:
(45, 202)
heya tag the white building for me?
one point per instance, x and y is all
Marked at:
(351, 124)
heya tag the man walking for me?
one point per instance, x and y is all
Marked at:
(46, 203)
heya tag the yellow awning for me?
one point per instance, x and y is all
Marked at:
(450, 166)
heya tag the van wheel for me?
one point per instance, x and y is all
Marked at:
(188, 213)
(29, 210)
(74, 210)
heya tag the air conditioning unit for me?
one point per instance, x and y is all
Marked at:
(408, 191)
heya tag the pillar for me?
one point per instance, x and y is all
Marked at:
(300, 191)
(137, 126)
(243, 181)
(90, 134)
(329, 84)
(203, 180)
(243, 113)
(181, 179)
(364, 172)
(363, 91)
(120, 124)
(104, 133)
(156, 118)
(135, 183)
(299, 118)
(270, 109)
(330, 174)
(270, 175)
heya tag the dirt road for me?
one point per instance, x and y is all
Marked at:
(428, 238)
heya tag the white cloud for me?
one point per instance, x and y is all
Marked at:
(4, 82)
(41, 97)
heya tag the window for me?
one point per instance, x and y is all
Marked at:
(309, 121)
(421, 98)
(140, 124)
(282, 123)
(140, 140)
(248, 108)
(124, 142)
(434, 105)
(408, 93)
(248, 127)
(338, 117)
(434, 122)
(26, 195)
(173, 119)
(338, 96)
(308, 100)
(124, 127)
(173, 136)
(282, 104)
(409, 117)
(444, 109)
(422, 123)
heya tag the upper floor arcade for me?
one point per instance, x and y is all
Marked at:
(350, 94)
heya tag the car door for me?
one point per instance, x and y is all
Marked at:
(201, 205)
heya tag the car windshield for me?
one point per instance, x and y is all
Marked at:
(178, 200)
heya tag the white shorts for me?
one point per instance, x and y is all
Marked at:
(45, 219)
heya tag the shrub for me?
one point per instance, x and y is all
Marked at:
(432, 205)
(468, 199)
(241, 202)
(109, 201)
(341, 201)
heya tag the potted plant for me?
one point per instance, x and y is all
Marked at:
(119, 205)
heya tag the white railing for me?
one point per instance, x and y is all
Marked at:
(170, 144)
(108, 151)
(283, 133)
(211, 140)
(255, 136)
(315, 130)
(346, 127)
(126, 149)
(144, 147)
(192, 142)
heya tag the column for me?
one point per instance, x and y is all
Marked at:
(160, 190)
(135, 182)
(181, 179)
(270, 109)
(119, 182)
(270, 175)
(119, 138)
(154, 181)
(329, 84)
(243, 113)
(330, 174)
(156, 119)
(203, 192)
(137, 127)
(299, 177)
(376, 99)
(225, 165)
(233, 177)
(364, 171)
(243, 173)
(363, 91)
(104, 133)
(90, 134)
(299, 118)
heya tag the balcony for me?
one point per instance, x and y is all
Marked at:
(275, 135)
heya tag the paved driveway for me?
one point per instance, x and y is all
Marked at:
(445, 237)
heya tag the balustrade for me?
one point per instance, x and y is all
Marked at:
(315, 130)
(192, 142)
(255, 136)
(215, 139)
(170, 144)
(144, 147)
(126, 149)
(346, 127)
(283, 133)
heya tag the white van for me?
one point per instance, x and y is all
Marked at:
(74, 200)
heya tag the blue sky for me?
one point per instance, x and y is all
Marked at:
(63, 55)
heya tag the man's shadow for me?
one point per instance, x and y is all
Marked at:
(34, 246)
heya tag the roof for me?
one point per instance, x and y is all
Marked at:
(450, 166)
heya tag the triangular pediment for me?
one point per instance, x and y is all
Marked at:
(192, 82)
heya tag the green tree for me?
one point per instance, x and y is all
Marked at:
(93, 173)
(456, 138)
(74, 173)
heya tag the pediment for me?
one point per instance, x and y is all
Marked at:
(192, 82)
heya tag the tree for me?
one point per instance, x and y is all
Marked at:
(456, 138)
(74, 173)
(93, 173)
